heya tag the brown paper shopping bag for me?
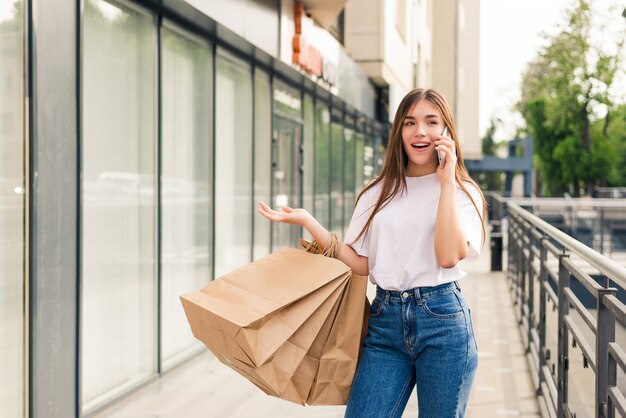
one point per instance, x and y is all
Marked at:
(278, 322)
(338, 361)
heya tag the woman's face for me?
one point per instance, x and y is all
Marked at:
(421, 127)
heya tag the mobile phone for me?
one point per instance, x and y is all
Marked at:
(441, 154)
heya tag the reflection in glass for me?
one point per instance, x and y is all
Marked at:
(287, 102)
(285, 179)
(262, 160)
(12, 210)
(308, 179)
(233, 164)
(359, 173)
(118, 316)
(185, 185)
(368, 158)
(322, 165)
(336, 182)
(348, 175)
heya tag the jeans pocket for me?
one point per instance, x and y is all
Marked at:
(471, 327)
(376, 308)
(444, 305)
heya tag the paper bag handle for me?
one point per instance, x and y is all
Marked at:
(313, 247)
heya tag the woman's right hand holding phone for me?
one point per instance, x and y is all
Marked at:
(447, 148)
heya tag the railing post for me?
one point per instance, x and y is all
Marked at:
(563, 346)
(512, 249)
(606, 334)
(496, 246)
(602, 230)
(543, 278)
(510, 234)
(521, 276)
(531, 292)
(612, 372)
(519, 252)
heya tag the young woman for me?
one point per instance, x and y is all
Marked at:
(410, 228)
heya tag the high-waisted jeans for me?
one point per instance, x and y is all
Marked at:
(424, 337)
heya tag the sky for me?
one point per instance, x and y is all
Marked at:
(509, 39)
(6, 9)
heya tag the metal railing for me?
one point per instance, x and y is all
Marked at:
(547, 266)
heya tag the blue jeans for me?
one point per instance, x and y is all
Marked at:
(424, 337)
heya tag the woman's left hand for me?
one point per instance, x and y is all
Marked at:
(447, 145)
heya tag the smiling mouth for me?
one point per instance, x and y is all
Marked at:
(420, 145)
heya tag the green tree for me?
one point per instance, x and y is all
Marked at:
(610, 135)
(491, 180)
(561, 89)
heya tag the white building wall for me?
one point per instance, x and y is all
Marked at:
(397, 47)
(375, 38)
(468, 56)
(423, 43)
(287, 31)
(456, 66)
(254, 20)
(398, 65)
(439, 47)
(444, 50)
(364, 35)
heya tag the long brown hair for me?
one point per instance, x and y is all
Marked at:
(393, 172)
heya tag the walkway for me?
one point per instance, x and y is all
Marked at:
(203, 387)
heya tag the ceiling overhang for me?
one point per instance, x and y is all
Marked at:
(325, 12)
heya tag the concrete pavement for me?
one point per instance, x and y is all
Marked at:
(203, 387)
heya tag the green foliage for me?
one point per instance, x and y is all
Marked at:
(615, 147)
(562, 89)
(491, 180)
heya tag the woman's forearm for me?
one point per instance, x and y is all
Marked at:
(357, 263)
(450, 244)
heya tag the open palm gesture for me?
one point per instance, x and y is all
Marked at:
(287, 215)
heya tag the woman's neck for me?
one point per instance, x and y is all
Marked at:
(414, 170)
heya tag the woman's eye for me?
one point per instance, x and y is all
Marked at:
(409, 123)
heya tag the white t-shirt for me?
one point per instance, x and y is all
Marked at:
(400, 243)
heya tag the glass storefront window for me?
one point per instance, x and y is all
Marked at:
(349, 175)
(322, 164)
(262, 160)
(12, 228)
(287, 135)
(233, 164)
(368, 158)
(378, 150)
(359, 171)
(336, 178)
(118, 289)
(186, 194)
(308, 179)
(287, 102)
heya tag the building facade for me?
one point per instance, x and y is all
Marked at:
(403, 44)
(137, 137)
(455, 59)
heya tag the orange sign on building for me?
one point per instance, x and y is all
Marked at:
(304, 54)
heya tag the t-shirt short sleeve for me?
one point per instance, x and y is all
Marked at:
(361, 214)
(471, 223)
